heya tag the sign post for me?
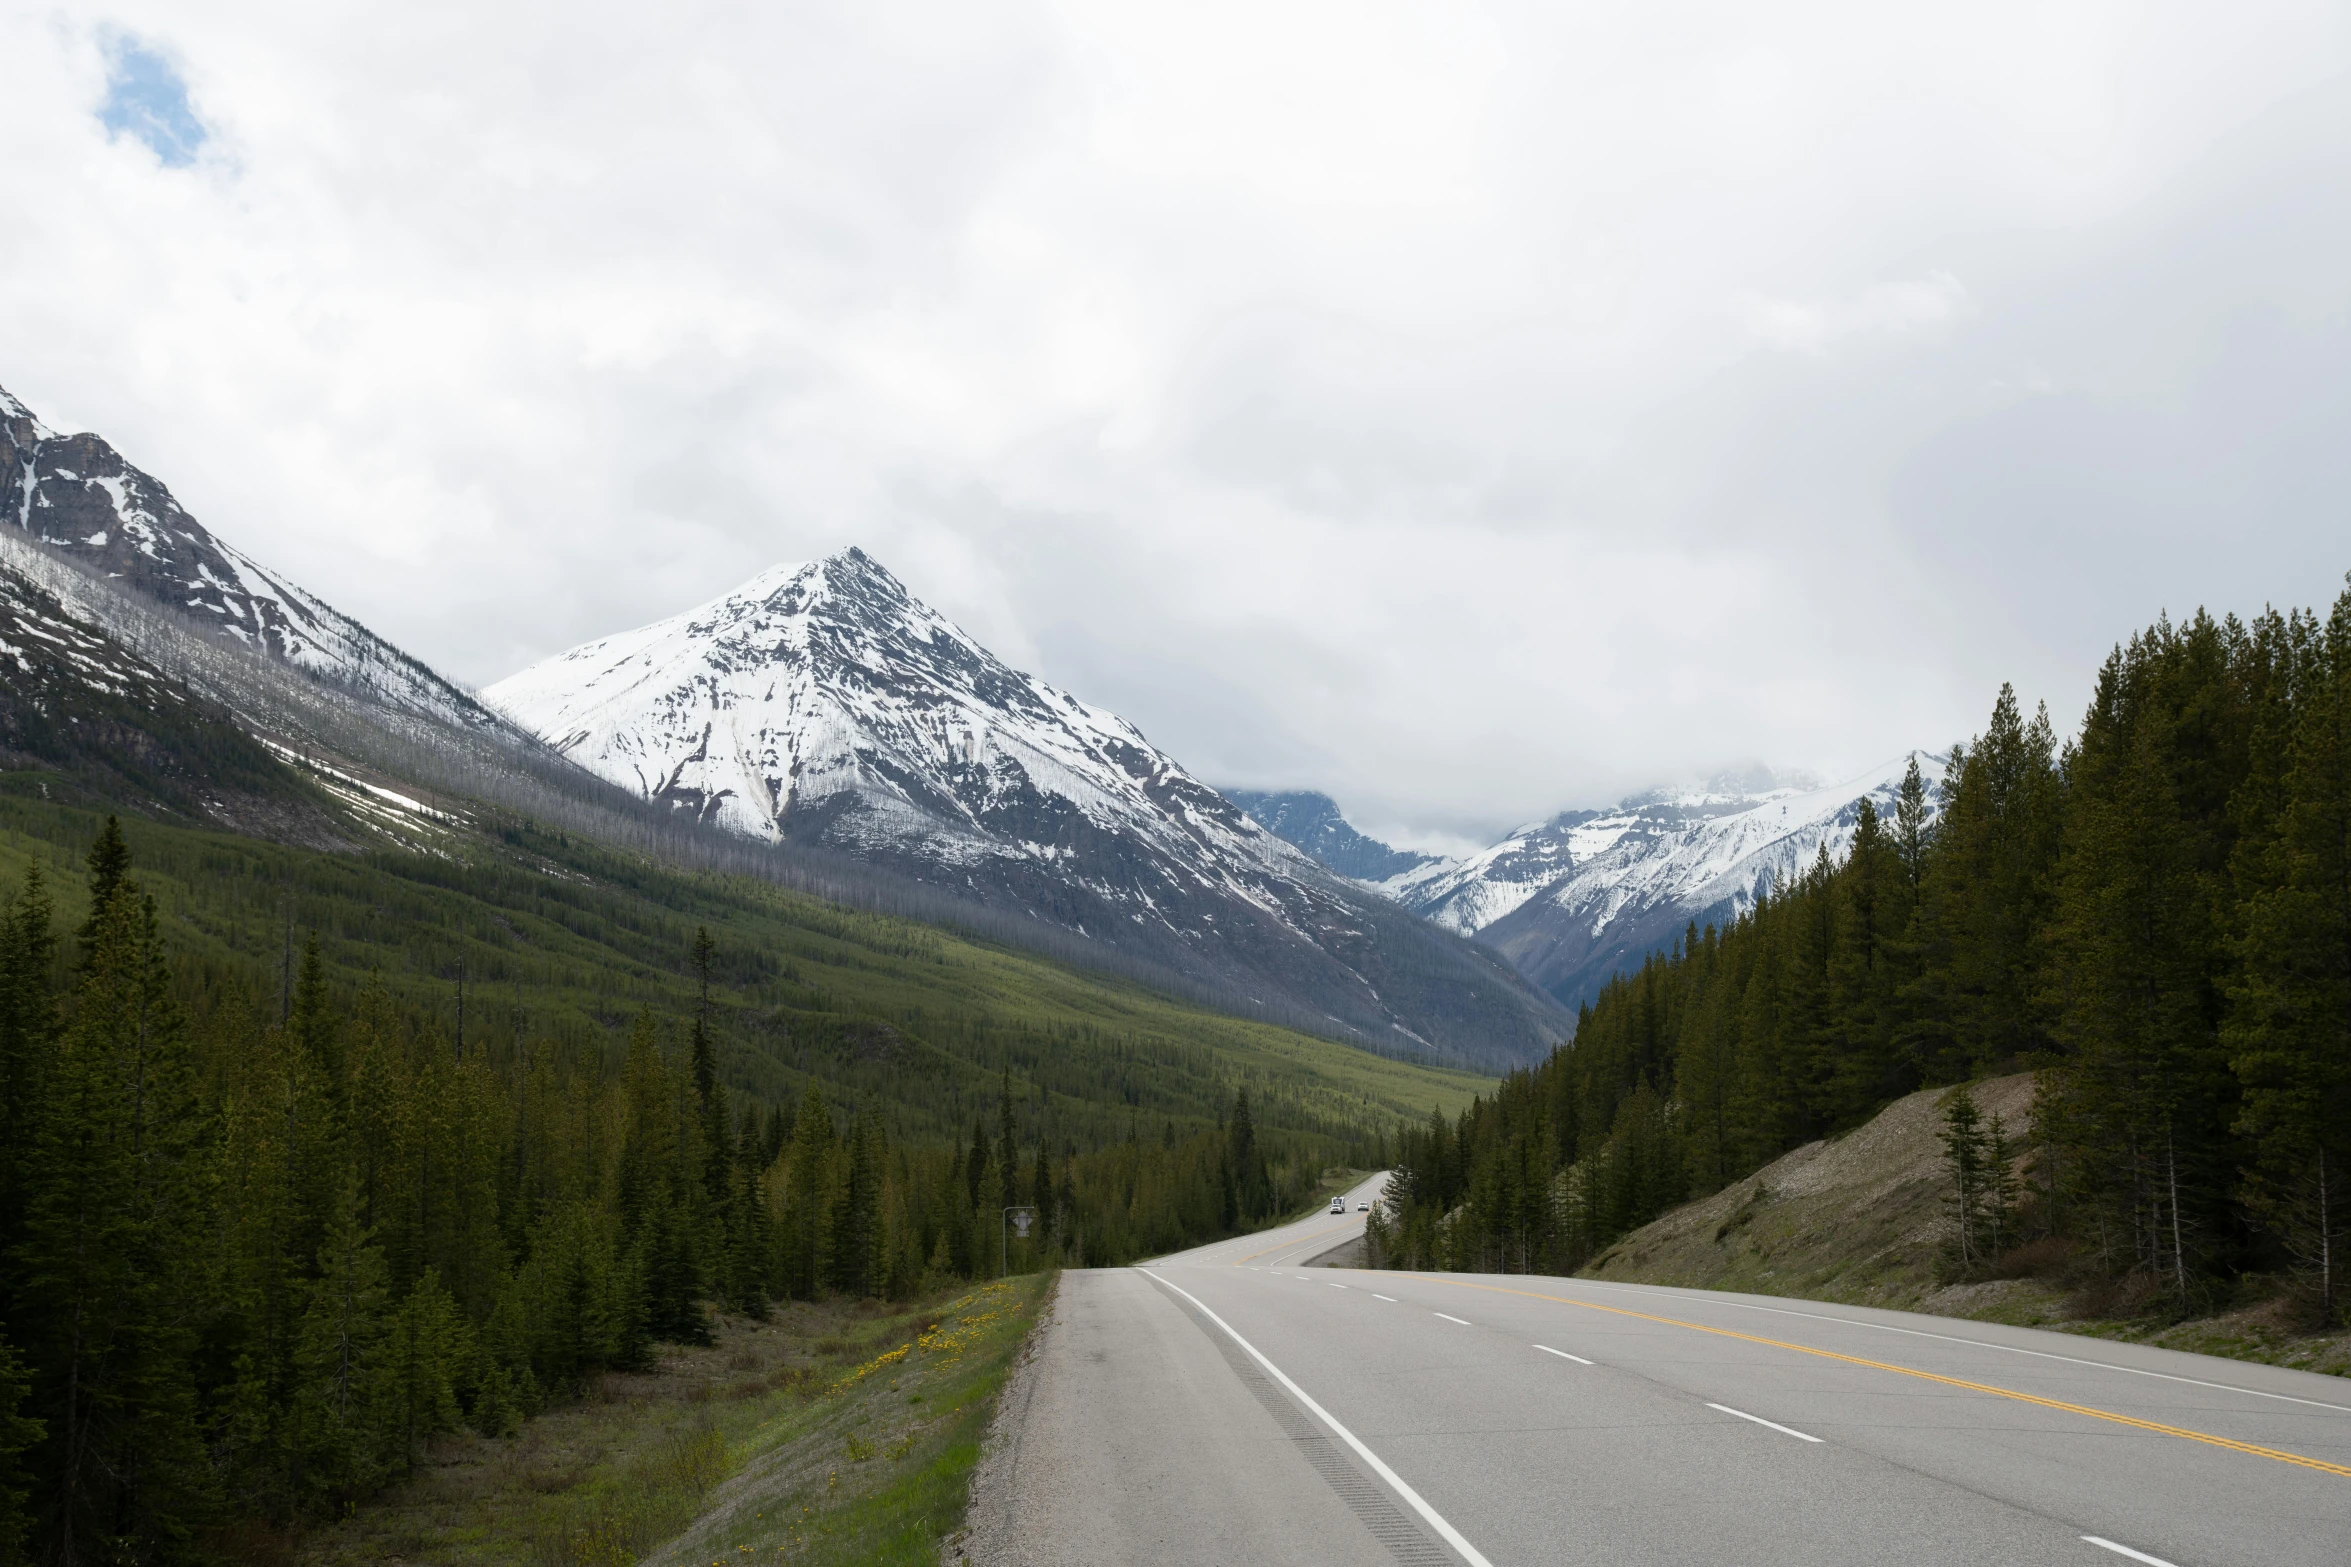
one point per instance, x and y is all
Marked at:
(1019, 1218)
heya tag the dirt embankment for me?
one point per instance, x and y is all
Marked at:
(1858, 1218)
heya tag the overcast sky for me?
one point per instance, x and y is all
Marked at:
(1471, 411)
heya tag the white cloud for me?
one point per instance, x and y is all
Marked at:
(1468, 410)
(1882, 309)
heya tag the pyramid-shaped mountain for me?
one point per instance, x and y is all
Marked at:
(823, 704)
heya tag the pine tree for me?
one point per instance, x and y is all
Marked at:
(2289, 1031)
(751, 1237)
(28, 1028)
(2144, 1097)
(1913, 825)
(856, 1219)
(18, 1432)
(341, 1397)
(975, 1167)
(313, 1021)
(808, 1198)
(1981, 1198)
(426, 1344)
(110, 866)
(1007, 1146)
(717, 1150)
(1985, 900)
(101, 1263)
(1252, 1195)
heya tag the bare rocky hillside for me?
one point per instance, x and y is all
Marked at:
(1859, 1219)
(1856, 1218)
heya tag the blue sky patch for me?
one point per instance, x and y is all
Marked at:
(146, 98)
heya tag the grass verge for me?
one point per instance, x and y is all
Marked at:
(836, 1433)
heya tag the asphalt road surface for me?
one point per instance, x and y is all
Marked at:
(1231, 1405)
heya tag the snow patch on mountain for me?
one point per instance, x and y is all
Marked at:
(1573, 898)
(79, 497)
(827, 686)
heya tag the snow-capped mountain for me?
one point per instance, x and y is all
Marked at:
(76, 495)
(1575, 899)
(823, 704)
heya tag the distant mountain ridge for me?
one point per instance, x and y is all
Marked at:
(822, 704)
(1587, 894)
(1312, 821)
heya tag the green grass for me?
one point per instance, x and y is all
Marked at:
(560, 938)
(839, 1433)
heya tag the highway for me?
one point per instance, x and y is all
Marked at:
(1231, 1405)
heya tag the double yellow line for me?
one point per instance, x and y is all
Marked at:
(2206, 1437)
(1295, 1240)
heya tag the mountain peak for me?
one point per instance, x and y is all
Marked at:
(28, 428)
(825, 689)
(823, 704)
(1312, 821)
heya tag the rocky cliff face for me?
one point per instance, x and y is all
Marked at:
(1311, 821)
(79, 497)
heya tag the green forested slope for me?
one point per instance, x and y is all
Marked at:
(273, 1210)
(563, 940)
(2156, 916)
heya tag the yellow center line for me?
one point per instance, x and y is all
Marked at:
(1295, 1240)
(2182, 1432)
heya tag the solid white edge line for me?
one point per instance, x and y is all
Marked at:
(1978, 1343)
(1759, 1420)
(1449, 1317)
(1563, 1354)
(2124, 1550)
(1390, 1299)
(1436, 1520)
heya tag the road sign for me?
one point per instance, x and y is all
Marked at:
(1019, 1218)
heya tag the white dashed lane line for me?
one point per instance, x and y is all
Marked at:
(1449, 1317)
(1563, 1354)
(1759, 1420)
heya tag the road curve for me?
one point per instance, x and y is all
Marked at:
(1230, 1405)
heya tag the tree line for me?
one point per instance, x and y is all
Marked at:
(260, 1242)
(2155, 915)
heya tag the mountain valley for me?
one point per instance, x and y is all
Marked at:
(822, 725)
(821, 728)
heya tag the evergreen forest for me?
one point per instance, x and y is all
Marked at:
(307, 1157)
(2155, 915)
